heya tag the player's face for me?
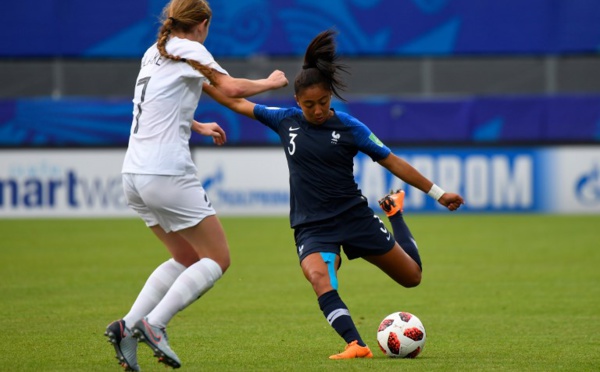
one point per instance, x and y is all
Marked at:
(315, 102)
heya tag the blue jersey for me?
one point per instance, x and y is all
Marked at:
(320, 160)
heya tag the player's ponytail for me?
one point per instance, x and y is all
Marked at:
(321, 65)
(183, 15)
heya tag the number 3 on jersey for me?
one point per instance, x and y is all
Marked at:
(144, 83)
(292, 146)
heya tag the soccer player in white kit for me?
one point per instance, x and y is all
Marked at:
(160, 181)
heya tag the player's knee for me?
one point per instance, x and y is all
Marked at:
(225, 262)
(319, 281)
(412, 280)
(221, 257)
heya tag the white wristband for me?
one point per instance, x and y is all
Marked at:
(436, 192)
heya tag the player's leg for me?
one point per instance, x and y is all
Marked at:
(193, 235)
(183, 254)
(320, 269)
(398, 265)
(179, 248)
(208, 240)
(163, 277)
(210, 245)
(157, 286)
(393, 206)
(158, 283)
(368, 237)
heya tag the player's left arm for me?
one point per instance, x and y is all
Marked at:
(407, 173)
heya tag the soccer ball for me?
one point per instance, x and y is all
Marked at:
(401, 335)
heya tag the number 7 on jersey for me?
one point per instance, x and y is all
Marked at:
(144, 82)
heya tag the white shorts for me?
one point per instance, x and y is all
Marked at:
(173, 202)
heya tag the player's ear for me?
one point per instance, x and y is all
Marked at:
(296, 99)
(203, 26)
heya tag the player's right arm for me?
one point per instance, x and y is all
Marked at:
(269, 116)
(240, 87)
(239, 105)
(407, 173)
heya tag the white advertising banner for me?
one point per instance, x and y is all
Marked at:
(245, 181)
(61, 183)
(570, 180)
(87, 182)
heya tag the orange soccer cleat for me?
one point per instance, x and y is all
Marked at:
(353, 350)
(392, 203)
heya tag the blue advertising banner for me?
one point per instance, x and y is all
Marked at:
(476, 120)
(501, 180)
(498, 179)
(124, 29)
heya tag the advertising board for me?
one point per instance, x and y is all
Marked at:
(254, 181)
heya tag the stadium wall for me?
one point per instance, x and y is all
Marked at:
(122, 29)
(486, 120)
(252, 182)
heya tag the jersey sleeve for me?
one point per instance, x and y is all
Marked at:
(270, 116)
(366, 141)
(196, 51)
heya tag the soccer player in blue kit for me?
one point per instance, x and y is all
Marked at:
(327, 210)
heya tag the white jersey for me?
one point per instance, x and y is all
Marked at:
(166, 96)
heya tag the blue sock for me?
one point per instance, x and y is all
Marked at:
(404, 237)
(338, 316)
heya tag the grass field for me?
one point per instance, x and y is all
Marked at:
(499, 293)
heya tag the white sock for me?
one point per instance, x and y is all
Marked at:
(157, 285)
(189, 286)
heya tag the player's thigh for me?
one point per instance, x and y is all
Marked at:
(209, 240)
(398, 265)
(320, 269)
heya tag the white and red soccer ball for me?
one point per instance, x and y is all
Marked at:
(401, 335)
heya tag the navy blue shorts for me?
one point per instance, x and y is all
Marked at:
(359, 231)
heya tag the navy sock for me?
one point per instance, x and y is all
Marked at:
(404, 237)
(338, 316)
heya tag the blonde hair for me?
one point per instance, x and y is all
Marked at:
(182, 15)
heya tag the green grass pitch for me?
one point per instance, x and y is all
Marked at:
(499, 293)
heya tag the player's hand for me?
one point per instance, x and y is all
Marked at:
(210, 130)
(278, 79)
(451, 201)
